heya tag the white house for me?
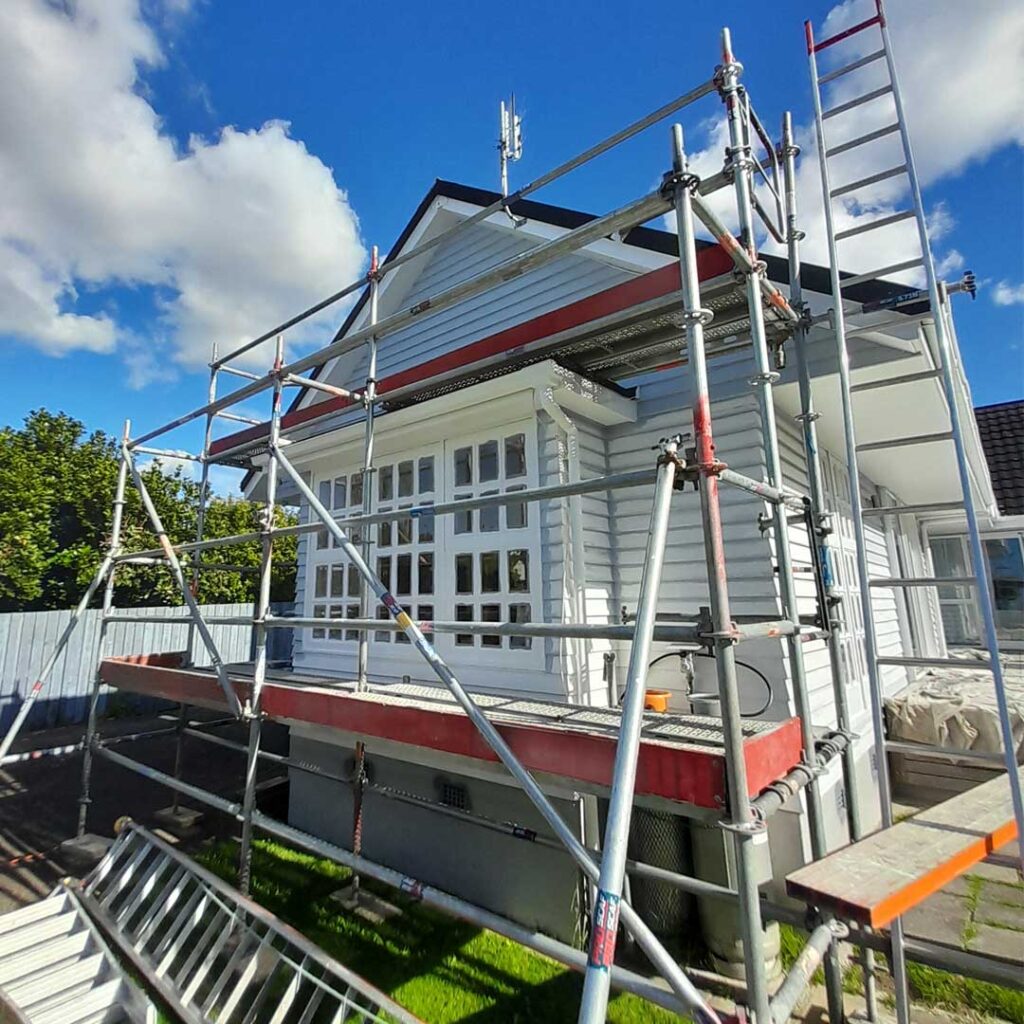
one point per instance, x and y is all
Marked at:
(514, 403)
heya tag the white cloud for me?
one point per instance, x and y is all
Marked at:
(1006, 294)
(236, 232)
(224, 480)
(950, 263)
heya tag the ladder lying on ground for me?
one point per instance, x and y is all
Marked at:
(203, 950)
(882, 93)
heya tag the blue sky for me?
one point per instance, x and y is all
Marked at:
(136, 231)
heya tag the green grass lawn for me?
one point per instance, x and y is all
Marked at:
(439, 968)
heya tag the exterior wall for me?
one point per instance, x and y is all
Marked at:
(468, 254)
(534, 885)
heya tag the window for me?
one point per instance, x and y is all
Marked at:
(403, 548)
(491, 548)
(480, 565)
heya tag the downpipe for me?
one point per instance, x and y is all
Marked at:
(800, 974)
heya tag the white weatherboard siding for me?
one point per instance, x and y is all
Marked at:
(466, 255)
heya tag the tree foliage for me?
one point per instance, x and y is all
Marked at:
(56, 498)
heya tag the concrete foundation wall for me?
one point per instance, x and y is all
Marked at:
(537, 886)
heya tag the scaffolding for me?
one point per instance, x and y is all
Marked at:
(747, 305)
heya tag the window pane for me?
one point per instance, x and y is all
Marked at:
(337, 581)
(426, 474)
(319, 612)
(490, 613)
(352, 612)
(323, 541)
(323, 492)
(384, 570)
(403, 526)
(386, 483)
(403, 584)
(341, 492)
(519, 613)
(320, 587)
(489, 516)
(464, 613)
(463, 466)
(426, 573)
(463, 520)
(425, 612)
(405, 479)
(516, 515)
(490, 573)
(426, 527)
(384, 533)
(519, 571)
(463, 574)
(515, 455)
(382, 636)
(355, 582)
(337, 612)
(488, 461)
(356, 496)
(400, 637)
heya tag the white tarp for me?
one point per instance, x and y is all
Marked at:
(954, 707)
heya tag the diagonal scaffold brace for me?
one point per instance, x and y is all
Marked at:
(662, 960)
(179, 576)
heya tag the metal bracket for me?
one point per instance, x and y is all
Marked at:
(807, 417)
(746, 829)
(673, 180)
(760, 379)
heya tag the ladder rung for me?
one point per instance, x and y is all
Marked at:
(912, 662)
(874, 275)
(924, 581)
(871, 179)
(905, 442)
(882, 222)
(862, 139)
(852, 66)
(902, 510)
(856, 102)
(846, 33)
(889, 382)
(942, 753)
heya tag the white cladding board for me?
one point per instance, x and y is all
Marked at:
(464, 256)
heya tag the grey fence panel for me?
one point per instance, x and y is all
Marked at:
(27, 639)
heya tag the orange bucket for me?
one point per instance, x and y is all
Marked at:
(656, 700)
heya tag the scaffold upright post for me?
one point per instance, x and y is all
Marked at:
(197, 558)
(116, 519)
(739, 160)
(262, 608)
(605, 920)
(822, 522)
(362, 656)
(745, 828)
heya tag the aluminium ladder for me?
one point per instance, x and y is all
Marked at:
(206, 951)
(903, 175)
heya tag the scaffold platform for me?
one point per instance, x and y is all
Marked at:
(682, 757)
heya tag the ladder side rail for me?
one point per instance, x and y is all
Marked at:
(899, 966)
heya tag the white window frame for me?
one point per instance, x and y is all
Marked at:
(393, 656)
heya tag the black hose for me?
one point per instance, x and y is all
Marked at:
(742, 664)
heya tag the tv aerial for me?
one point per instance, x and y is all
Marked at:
(510, 146)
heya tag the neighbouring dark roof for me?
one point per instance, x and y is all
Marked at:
(1002, 438)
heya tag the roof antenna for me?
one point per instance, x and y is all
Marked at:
(510, 147)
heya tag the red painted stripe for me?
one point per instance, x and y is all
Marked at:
(692, 775)
(846, 33)
(711, 262)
